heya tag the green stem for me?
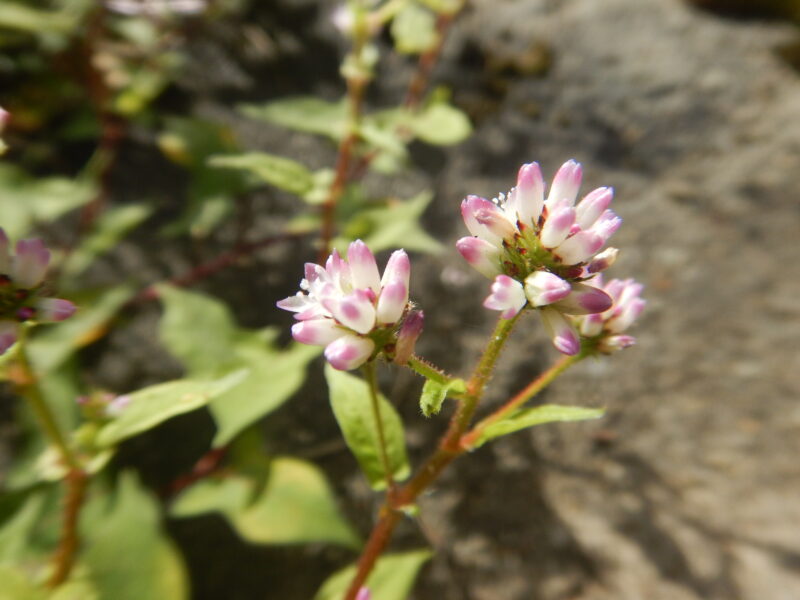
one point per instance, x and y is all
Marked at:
(449, 449)
(33, 393)
(528, 392)
(428, 371)
(372, 381)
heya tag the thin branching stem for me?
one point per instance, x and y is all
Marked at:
(372, 382)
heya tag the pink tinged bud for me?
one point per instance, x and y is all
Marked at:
(606, 225)
(625, 318)
(507, 295)
(566, 183)
(557, 227)
(482, 256)
(584, 300)
(363, 594)
(614, 343)
(363, 268)
(392, 302)
(317, 332)
(592, 206)
(117, 406)
(592, 325)
(579, 247)
(398, 268)
(354, 311)
(337, 269)
(54, 309)
(563, 334)
(30, 263)
(603, 260)
(9, 331)
(349, 352)
(297, 303)
(486, 220)
(5, 257)
(5, 117)
(543, 288)
(407, 338)
(529, 193)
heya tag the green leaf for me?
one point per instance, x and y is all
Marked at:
(191, 319)
(283, 173)
(126, 552)
(53, 344)
(414, 29)
(352, 407)
(15, 585)
(295, 506)
(15, 532)
(109, 229)
(434, 393)
(20, 17)
(27, 200)
(391, 579)
(395, 225)
(538, 415)
(155, 404)
(441, 125)
(302, 113)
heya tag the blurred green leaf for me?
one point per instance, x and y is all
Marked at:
(155, 404)
(391, 579)
(295, 506)
(441, 124)
(352, 407)
(302, 113)
(55, 343)
(126, 552)
(109, 229)
(283, 173)
(27, 201)
(22, 17)
(192, 319)
(16, 585)
(434, 394)
(414, 29)
(537, 415)
(394, 225)
(15, 531)
(189, 143)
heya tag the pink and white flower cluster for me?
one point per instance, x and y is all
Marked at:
(540, 251)
(21, 276)
(348, 307)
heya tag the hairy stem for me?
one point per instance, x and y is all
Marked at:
(449, 448)
(75, 480)
(428, 371)
(528, 392)
(372, 382)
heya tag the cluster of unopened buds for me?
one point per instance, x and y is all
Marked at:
(354, 312)
(543, 253)
(21, 291)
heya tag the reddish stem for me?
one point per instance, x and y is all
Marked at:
(75, 482)
(427, 60)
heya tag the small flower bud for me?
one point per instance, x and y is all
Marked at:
(349, 352)
(543, 288)
(407, 338)
(561, 332)
(507, 295)
(566, 183)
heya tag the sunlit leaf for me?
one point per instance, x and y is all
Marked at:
(191, 319)
(441, 125)
(27, 200)
(283, 173)
(109, 229)
(155, 404)
(352, 405)
(391, 579)
(15, 531)
(302, 113)
(126, 552)
(295, 505)
(434, 394)
(395, 225)
(414, 29)
(16, 585)
(54, 343)
(537, 415)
